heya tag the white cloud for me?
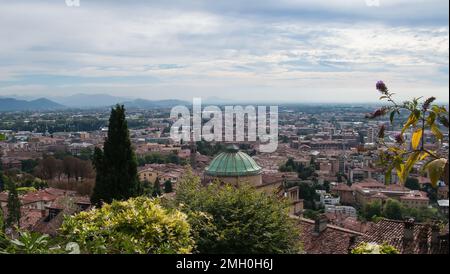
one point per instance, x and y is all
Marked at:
(183, 52)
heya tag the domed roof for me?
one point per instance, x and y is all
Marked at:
(232, 163)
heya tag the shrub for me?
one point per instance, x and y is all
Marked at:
(138, 225)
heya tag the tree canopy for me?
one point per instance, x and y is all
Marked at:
(116, 165)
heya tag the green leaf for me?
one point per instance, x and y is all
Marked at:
(436, 170)
(391, 118)
(416, 137)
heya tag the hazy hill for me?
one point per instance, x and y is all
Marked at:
(11, 104)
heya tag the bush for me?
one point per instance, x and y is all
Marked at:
(237, 220)
(138, 225)
(369, 248)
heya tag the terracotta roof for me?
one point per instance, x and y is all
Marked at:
(332, 240)
(341, 187)
(392, 233)
(368, 183)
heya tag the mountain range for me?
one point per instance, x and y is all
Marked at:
(82, 101)
(11, 104)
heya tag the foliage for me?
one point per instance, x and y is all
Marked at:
(24, 190)
(412, 183)
(304, 173)
(29, 165)
(393, 209)
(370, 248)
(33, 243)
(168, 186)
(372, 210)
(138, 225)
(156, 188)
(238, 220)
(158, 158)
(2, 181)
(116, 166)
(13, 204)
(402, 156)
(209, 148)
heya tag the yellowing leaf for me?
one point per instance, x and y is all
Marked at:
(437, 132)
(424, 156)
(436, 170)
(416, 137)
(412, 120)
(406, 168)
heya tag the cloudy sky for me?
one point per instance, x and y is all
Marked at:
(283, 50)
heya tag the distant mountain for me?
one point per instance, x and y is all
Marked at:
(89, 100)
(142, 103)
(11, 104)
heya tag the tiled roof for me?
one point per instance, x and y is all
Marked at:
(392, 232)
(332, 240)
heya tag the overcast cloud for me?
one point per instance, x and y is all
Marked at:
(287, 50)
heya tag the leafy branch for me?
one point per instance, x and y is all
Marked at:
(403, 156)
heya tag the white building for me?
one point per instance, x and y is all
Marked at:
(328, 199)
(343, 210)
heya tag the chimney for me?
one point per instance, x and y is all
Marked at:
(408, 236)
(408, 230)
(320, 224)
(423, 239)
(435, 232)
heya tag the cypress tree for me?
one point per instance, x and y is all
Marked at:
(156, 188)
(168, 186)
(13, 204)
(2, 182)
(116, 165)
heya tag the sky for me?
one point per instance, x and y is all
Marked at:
(274, 51)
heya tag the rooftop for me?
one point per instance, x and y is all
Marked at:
(232, 163)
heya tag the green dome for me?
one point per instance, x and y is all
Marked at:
(232, 163)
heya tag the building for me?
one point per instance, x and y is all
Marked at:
(443, 206)
(342, 210)
(234, 167)
(344, 192)
(328, 199)
(238, 168)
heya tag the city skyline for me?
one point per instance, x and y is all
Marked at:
(283, 51)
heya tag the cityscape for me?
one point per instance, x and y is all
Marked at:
(290, 145)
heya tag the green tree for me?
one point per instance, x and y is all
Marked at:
(241, 220)
(412, 183)
(156, 188)
(168, 187)
(2, 222)
(117, 166)
(393, 210)
(372, 210)
(13, 204)
(2, 182)
(138, 225)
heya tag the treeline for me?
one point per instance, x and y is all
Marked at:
(158, 158)
(304, 172)
(69, 167)
(393, 209)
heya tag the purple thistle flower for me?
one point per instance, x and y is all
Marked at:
(427, 103)
(399, 139)
(381, 87)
